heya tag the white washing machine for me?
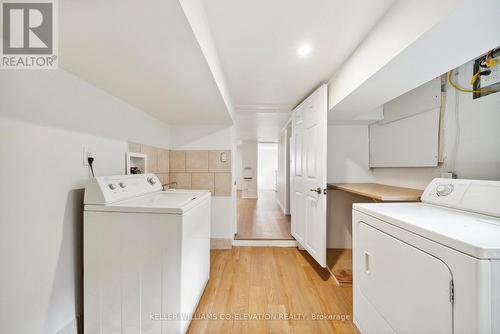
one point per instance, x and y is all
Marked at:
(146, 255)
(430, 267)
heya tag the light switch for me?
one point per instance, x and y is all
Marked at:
(223, 157)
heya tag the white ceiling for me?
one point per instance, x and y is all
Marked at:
(257, 43)
(150, 57)
(145, 54)
(261, 126)
(432, 45)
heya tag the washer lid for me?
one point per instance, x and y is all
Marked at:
(474, 234)
(111, 189)
(173, 202)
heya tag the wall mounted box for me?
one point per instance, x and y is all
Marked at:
(137, 163)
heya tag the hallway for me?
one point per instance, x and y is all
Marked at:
(262, 218)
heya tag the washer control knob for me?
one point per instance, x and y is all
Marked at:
(122, 184)
(152, 181)
(112, 186)
(444, 189)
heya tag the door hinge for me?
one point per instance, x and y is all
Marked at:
(452, 292)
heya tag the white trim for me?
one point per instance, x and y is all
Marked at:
(285, 212)
(264, 107)
(132, 155)
(265, 243)
(287, 124)
(279, 204)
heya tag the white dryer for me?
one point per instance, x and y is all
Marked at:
(430, 267)
(146, 255)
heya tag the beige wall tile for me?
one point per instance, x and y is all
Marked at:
(164, 177)
(196, 161)
(215, 163)
(223, 184)
(177, 161)
(152, 154)
(183, 180)
(204, 181)
(134, 147)
(163, 161)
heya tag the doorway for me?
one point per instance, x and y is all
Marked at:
(267, 166)
(263, 217)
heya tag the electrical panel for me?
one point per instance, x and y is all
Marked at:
(493, 77)
(486, 76)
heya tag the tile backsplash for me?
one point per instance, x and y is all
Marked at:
(197, 169)
(196, 161)
(158, 160)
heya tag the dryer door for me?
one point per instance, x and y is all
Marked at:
(407, 287)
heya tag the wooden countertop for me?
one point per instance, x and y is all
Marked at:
(380, 192)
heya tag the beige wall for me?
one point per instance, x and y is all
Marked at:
(158, 160)
(190, 169)
(211, 137)
(202, 169)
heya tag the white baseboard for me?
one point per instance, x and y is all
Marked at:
(69, 328)
(279, 204)
(264, 243)
(282, 207)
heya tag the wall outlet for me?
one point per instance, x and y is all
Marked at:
(88, 152)
(448, 175)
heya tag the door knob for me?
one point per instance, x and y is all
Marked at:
(317, 190)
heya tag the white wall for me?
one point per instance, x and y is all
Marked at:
(196, 14)
(249, 158)
(404, 22)
(348, 156)
(477, 156)
(348, 159)
(237, 167)
(283, 175)
(209, 137)
(60, 99)
(478, 153)
(418, 40)
(267, 166)
(201, 137)
(45, 119)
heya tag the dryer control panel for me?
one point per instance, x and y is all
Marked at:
(109, 189)
(470, 195)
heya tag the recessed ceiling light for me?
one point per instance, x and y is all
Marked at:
(304, 50)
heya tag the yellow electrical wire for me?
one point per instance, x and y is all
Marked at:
(464, 90)
(474, 77)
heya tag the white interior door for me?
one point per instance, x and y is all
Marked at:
(308, 174)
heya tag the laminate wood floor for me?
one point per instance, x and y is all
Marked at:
(339, 263)
(262, 218)
(255, 282)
